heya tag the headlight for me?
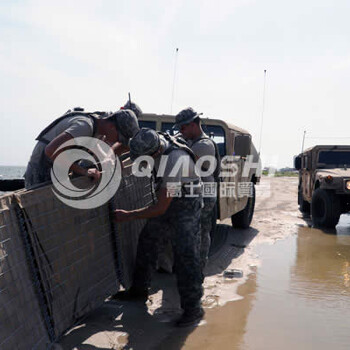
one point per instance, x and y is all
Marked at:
(329, 179)
(347, 185)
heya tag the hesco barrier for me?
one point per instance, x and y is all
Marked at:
(58, 263)
(22, 325)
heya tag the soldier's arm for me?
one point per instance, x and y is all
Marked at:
(59, 140)
(119, 148)
(147, 212)
(55, 143)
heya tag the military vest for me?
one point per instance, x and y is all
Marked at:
(76, 112)
(217, 170)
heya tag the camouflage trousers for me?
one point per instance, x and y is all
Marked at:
(206, 224)
(38, 173)
(181, 223)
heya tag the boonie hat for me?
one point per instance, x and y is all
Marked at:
(186, 116)
(145, 142)
(126, 123)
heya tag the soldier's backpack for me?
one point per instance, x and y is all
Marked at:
(177, 143)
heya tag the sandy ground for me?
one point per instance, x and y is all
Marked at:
(134, 325)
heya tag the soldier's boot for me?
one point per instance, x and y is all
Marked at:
(133, 293)
(190, 318)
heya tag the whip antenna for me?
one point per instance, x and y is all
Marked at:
(302, 147)
(173, 89)
(262, 112)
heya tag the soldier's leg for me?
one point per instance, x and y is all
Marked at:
(147, 251)
(185, 240)
(206, 224)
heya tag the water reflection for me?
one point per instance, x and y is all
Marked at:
(321, 269)
(303, 293)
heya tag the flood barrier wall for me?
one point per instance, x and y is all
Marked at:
(58, 263)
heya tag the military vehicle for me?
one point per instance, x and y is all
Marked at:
(324, 183)
(231, 141)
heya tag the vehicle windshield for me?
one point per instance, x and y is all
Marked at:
(147, 124)
(335, 159)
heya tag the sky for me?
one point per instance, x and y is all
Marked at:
(58, 55)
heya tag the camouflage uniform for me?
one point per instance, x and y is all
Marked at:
(38, 173)
(201, 146)
(206, 226)
(181, 223)
(76, 123)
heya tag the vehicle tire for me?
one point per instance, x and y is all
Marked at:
(243, 218)
(304, 206)
(325, 208)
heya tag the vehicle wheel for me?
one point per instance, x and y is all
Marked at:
(304, 206)
(325, 208)
(213, 222)
(243, 218)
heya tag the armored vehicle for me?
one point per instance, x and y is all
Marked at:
(231, 141)
(324, 183)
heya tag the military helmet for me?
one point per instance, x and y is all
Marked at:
(133, 107)
(126, 123)
(145, 142)
(186, 116)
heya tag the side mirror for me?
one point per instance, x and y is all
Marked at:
(297, 162)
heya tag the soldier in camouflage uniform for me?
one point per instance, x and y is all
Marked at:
(189, 124)
(116, 128)
(175, 217)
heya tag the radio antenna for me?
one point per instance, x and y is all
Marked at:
(262, 112)
(173, 89)
(302, 146)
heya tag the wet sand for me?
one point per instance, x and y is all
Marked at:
(295, 290)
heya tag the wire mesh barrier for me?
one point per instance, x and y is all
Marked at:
(58, 263)
(139, 193)
(21, 321)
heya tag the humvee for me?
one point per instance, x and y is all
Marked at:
(324, 183)
(232, 141)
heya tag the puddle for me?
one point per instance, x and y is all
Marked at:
(298, 299)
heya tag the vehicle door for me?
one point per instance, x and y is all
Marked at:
(232, 164)
(306, 176)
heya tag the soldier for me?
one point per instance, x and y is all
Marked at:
(189, 124)
(114, 128)
(117, 147)
(177, 217)
(134, 107)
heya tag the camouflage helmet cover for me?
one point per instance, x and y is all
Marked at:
(145, 142)
(133, 107)
(126, 123)
(186, 116)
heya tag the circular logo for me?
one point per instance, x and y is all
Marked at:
(104, 170)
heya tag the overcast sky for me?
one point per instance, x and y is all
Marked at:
(55, 55)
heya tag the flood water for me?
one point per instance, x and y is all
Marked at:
(299, 298)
